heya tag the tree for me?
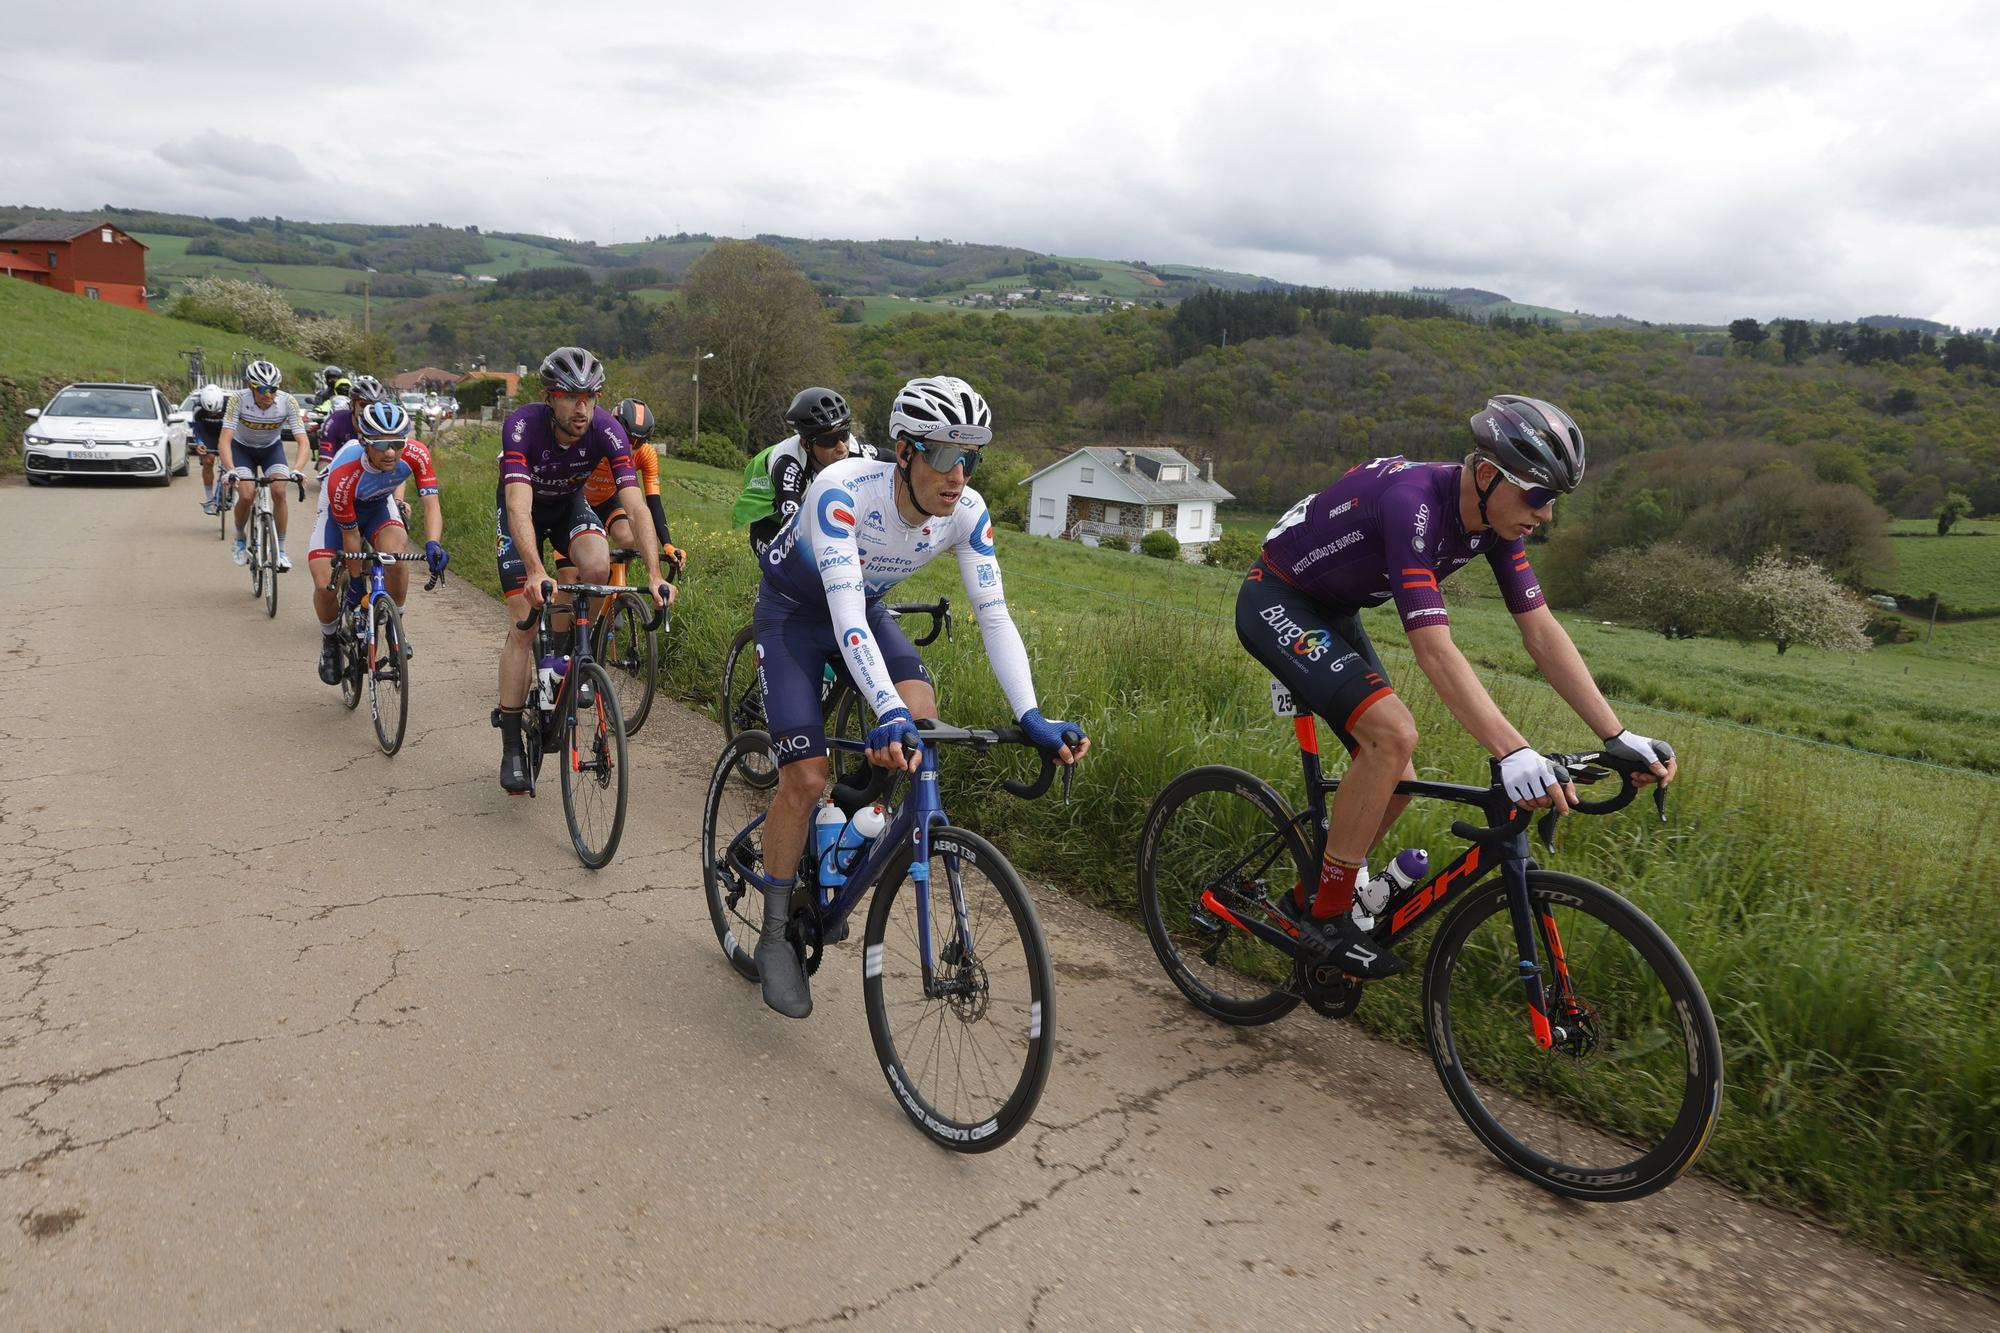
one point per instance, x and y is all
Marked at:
(755, 310)
(1747, 333)
(1795, 336)
(1237, 548)
(1956, 505)
(1795, 601)
(1668, 588)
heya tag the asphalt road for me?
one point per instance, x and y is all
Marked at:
(296, 1036)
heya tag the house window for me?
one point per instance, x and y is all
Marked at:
(1195, 517)
(52, 259)
(1156, 518)
(104, 234)
(1173, 472)
(90, 292)
(1048, 506)
(1087, 474)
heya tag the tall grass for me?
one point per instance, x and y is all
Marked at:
(1839, 908)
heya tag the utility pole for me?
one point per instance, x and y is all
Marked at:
(1932, 629)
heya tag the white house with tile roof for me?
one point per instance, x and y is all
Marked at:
(1103, 490)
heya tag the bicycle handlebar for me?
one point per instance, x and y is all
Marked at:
(1586, 767)
(939, 612)
(550, 588)
(983, 739)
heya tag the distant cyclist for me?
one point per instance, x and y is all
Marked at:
(358, 500)
(865, 526)
(338, 428)
(252, 441)
(775, 482)
(330, 379)
(601, 490)
(547, 451)
(206, 408)
(1394, 529)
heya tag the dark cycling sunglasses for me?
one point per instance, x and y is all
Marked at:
(839, 437)
(393, 442)
(945, 457)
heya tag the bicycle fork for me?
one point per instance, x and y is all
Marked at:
(929, 811)
(1563, 1029)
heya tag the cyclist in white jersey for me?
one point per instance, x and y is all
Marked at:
(253, 427)
(864, 527)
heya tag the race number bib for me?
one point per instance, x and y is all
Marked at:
(1281, 699)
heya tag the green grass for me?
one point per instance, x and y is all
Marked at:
(514, 256)
(1963, 569)
(1838, 907)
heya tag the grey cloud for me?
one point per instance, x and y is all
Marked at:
(1760, 53)
(216, 156)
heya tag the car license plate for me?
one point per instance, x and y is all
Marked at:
(1281, 699)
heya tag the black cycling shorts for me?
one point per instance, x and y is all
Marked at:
(558, 520)
(1321, 654)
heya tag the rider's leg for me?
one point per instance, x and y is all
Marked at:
(281, 509)
(392, 538)
(1386, 737)
(245, 493)
(516, 658)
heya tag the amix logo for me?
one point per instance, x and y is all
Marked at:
(1440, 888)
(1310, 644)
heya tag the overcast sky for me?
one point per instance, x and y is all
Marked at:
(1698, 161)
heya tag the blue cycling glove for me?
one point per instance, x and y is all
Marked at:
(1046, 735)
(895, 725)
(436, 557)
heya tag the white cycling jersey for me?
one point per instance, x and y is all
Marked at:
(259, 426)
(847, 546)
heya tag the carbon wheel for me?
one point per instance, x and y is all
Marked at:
(1216, 830)
(630, 656)
(593, 765)
(389, 677)
(743, 703)
(967, 1055)
(1625, 1096)
(267, 562)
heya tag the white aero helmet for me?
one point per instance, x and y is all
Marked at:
(942, 409)
(212, 399)
(263, 375)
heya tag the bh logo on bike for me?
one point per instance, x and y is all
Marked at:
(1310, 644)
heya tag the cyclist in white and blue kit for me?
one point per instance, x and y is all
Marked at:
(865, 526)
(253, 430)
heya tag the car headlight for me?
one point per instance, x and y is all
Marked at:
(37, 439)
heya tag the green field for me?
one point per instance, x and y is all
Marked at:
(514, 256)
(1821, 894)
(1963, 569)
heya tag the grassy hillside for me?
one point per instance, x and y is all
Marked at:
(50, 338)
(1963, 569)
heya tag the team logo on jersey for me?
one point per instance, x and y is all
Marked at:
(854, 636)
(874, 521)
(986, 576)
(836, 513)
(982, 534)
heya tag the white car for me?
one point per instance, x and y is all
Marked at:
(107, 430)
(413, 403)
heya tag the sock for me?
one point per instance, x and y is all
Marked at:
(1336, 887)
(330, 630)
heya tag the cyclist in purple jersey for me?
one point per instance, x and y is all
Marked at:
(1393, 529)
(547, 451)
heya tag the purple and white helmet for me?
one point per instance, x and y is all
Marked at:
(1530, 440)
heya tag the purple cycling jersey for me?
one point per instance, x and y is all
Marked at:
(336, 430)
(1390, 528)
(531, 455)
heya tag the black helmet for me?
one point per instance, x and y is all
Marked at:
(1533, 442)
(817, 411)
(572, 370)
(636, 418)
(330, 374)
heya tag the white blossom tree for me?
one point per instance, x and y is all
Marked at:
(1795, 601)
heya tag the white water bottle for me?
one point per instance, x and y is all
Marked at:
(828, 826)
(1408, 867)
(863, 829)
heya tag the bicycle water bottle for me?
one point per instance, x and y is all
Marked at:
(863, 829)
(1408, 867)
(549, 673)
(828, 826)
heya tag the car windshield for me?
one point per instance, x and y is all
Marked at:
(117, 404)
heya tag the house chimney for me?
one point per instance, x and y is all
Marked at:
(1125, 460)
(1208, 468)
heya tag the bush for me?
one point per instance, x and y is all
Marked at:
(236, 306)
(1160, 544)
(714, 450)
(334, 340)
(1668, 588)
(479, 391)
(1237, 549)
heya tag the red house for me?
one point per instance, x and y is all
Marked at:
(89, 259)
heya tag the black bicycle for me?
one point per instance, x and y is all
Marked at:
(573, 709)
(628, 650)
(1568, 1031)
(372, 647)
(840, 704)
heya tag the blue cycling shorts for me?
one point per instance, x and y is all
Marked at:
(371, 516)
(255, 458)
(793, 652)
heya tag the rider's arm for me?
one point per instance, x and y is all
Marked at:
(433, 517)
(1008, 656)
(1460, 690)
(418, 459)
(830, 543)
(1562, 667)
(520, 496)
(788, 485)
(648, 460)
(295, 420)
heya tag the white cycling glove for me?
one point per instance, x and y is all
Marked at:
(1631, 745)
(1526, 775)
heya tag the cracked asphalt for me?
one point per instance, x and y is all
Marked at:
(293, 1035)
